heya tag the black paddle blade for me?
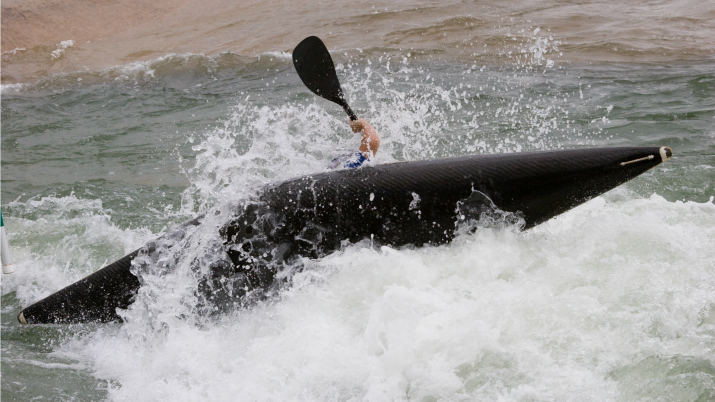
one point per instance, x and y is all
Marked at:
(316, 69)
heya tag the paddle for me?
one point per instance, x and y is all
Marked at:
(315, 67)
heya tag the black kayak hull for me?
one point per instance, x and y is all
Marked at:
(420, 202)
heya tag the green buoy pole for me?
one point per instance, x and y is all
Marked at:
(7, 267)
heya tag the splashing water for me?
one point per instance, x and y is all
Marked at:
(611, 301)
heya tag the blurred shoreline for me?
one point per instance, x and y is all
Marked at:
(46, 37)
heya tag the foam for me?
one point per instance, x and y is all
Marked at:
(496, 315)
(61, 47)
(618, 286)
(280, 55)
(556, 311)
(14, 51)
(11, 88)
(76, 236)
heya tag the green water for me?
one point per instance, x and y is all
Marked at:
(92, 168)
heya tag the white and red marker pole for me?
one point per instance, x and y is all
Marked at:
(7, 267)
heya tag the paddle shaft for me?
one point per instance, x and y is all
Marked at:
(349, 111)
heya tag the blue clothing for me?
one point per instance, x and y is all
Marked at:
(349, 160)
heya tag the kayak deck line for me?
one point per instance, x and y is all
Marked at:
(646, 158)
(665, 154)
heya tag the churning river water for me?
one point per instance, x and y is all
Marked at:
(612, 301)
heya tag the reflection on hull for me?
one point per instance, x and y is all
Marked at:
(422, 202)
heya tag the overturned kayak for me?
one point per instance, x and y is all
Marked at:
(417, 203)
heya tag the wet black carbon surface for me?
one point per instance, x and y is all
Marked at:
(396, 204)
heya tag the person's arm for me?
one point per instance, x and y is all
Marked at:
(370, 138)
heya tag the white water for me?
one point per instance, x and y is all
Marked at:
(564, 309)
(614, 300)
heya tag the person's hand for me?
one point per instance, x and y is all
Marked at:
(370, 139)
(359, 125)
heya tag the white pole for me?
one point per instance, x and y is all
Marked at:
(7, 267)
